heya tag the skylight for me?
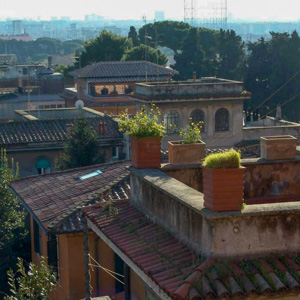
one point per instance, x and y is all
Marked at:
(84, 177)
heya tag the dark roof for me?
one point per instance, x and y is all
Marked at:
(129, 79)
(49, 131)
(55, 199)
(176, 269)
(117, 69)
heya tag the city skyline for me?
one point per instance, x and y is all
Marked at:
(133, 9)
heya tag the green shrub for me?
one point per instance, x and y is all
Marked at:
(226, 160)
(191, 134)
(143, 124)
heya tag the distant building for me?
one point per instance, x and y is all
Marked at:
(216, 102)
(108, 86)
(17, 27)
(35, 139)
(159, 16)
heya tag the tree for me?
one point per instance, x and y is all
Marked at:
(167, 33)
(133, 35)
(192, 56)
(81, 148)
(143, 52)
(35, 284)
(231, 52)
(13, 234)
(106, 47)
(257, 78)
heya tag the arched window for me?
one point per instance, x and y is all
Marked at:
(171, 120)
(222, 120)
(197, 116)
(104, 91)
(42, 166)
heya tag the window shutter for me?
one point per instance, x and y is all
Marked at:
(52, 252)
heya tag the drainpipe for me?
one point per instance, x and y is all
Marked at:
(86, 258)
(97, 269)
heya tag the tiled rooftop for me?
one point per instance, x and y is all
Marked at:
(56, 198)
(117, 69)
(49, 131)
(176, 269)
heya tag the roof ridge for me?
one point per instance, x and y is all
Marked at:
(70, 170)
(89, 199)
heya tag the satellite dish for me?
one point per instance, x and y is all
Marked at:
(79, 104)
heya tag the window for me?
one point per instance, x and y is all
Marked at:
(36, 237)
(222, 120)
(59, 106)
(25, 71)
(171, 120)
(104, 91)
(119, 269)
(115, 152)
(42, 166)
(52, 252)
(197, 116)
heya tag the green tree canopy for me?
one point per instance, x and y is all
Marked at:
(34, 284)
(106, 47)
(13, 233)
(133, 35)
(231, 52)
(166, 33)
(143, 52)
(81, 148)
(192, 56)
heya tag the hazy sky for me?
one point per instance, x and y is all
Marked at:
(134, 9)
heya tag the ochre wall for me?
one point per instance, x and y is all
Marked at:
(137, 287)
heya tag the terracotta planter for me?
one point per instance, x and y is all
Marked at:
(278, 147)
(145, 152)
(223, 189)
(185, 154)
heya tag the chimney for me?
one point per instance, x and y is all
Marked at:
(251, 116)
(170, 77)
(102, 127)
(49, 62)
(278, 112)
(194, 76)
(20, 83)
(69, 129)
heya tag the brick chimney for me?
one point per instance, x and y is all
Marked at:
(69, 129)
(102, 127)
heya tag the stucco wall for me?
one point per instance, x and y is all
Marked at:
(180, 210)
(271, 179)
(137, 287)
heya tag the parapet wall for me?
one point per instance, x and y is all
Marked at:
(255, 231)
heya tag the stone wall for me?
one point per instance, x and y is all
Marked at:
(180, 210)
(254, 133)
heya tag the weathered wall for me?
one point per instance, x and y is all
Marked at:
(179, 209)
(170, 203)
(271, 179)
(253, 231)
(254, 133)
(189, 175)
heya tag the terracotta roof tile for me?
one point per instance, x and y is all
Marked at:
(174, 268)
(110, 70)
(56, 198)
(49, 131)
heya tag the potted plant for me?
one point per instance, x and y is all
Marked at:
(223, 181)
(189, 150)
(145, 137)
(278, 147)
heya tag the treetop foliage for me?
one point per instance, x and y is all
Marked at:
(81, 148)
